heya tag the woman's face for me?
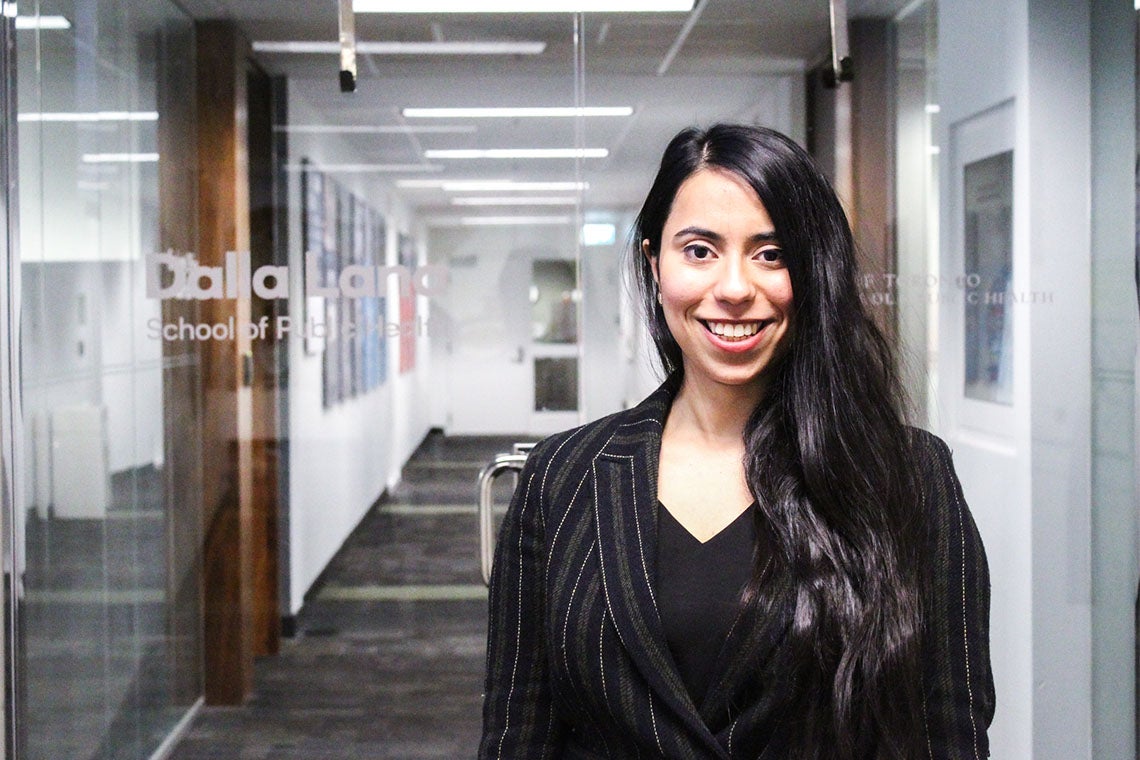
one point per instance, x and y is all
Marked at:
(724, 286)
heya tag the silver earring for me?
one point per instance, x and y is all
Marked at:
(659, 297)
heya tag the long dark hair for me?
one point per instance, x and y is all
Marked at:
(826, 459)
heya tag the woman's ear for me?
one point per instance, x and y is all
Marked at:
(648, 253)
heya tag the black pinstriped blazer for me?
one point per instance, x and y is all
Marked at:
(577, 663)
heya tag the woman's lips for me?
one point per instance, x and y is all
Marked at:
(735, 335)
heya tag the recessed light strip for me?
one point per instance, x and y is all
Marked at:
(120, 158)
(41, 22)
(522, 6)
(518, 153)
(403, 48)
(88, 116)
(491, 185)
(366, 168)
(517, 201)
(515, 113)
(499, 221)
(388, 129)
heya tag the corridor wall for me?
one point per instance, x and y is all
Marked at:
(341, 457)
(1044, 468)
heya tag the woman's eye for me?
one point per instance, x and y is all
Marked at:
(770, 255)
(698, 252)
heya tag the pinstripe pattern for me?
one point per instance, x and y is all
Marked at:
(959, 686)
(577, 664)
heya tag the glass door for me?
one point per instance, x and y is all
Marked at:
(106, 583)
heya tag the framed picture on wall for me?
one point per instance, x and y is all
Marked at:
(988, 256)
(407, 256)
(339, 230)
(312, 239)
(978, 315)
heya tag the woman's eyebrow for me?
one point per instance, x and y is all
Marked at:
(760, 237)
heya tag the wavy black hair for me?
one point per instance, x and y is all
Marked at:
(826, 458)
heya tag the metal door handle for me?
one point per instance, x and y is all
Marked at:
(500, 464)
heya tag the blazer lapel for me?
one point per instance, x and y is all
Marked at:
(625, 513)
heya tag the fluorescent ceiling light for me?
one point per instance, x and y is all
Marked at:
(521, 6)
(499, 221)
(599, 233)
(42, 22)
(366, 168)
(521, 200)
(514, 113)
(491, 185)
(935, 108)
(505, 47)
(88, 116)
(519, 153)
(391, 129)
(512, 221)
(120, 158)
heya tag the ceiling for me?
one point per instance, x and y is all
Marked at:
(729, 63)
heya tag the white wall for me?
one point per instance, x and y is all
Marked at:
(1114, 546)
(85, 342)
(1016, 74)
(341, 459)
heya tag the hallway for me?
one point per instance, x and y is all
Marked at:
(387, 661)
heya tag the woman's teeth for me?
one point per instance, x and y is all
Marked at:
(734, 330)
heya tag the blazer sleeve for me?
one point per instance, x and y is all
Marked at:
(959, 687)
(519, 719)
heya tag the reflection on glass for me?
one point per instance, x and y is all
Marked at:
(556, 384)
(989, 264)
(554, 301)
(109, 652)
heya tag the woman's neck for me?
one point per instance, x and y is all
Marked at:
(714, 412)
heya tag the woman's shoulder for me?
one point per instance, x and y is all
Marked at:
(947, 512)
(931, 455)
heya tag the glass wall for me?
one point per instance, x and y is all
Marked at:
(446, 247)
(916, 202)
(107, 534)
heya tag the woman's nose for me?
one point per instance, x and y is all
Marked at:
(733, 284)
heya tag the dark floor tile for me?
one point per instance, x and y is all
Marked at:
(379, 679)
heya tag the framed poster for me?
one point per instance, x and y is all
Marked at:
(407, 260)
(987, 236)
(312, 240)
(349, 333)
(978, 313)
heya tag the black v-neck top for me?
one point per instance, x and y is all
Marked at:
(698, 592)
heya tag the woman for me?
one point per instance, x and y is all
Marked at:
(759, 560)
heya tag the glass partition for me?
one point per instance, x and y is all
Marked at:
(446, 280)
(108, 587)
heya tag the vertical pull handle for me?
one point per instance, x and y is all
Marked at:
(500, 464)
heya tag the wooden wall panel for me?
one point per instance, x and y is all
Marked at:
(223, 225)
(851, 136)
(872, 133)
(266, 621)
(181, 372)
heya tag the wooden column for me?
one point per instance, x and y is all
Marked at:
(263, 212)
(223, 225)
(851, 136)
(182, 365)
(873, 150)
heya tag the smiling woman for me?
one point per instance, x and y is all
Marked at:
(724, 288)
(761, 559)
